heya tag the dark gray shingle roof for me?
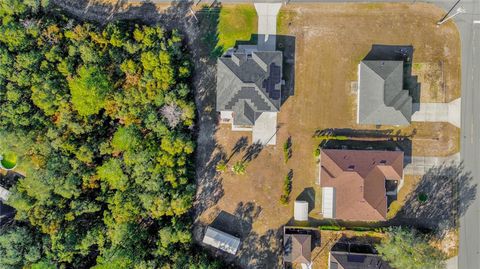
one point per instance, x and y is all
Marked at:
(249, 84)
(382, 99)
(345, 260)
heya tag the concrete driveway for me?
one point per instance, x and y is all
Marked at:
(418, 165)
(265, 129)
(267, 25)
(438, 112)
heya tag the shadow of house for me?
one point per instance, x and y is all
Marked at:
(365, 139)
(366, 134)
(398, 53)
(240, 222)
(308, 195)
(448, 191)
(232, 224)
(404, 145)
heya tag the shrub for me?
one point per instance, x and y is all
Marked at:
(287, 149)
(362, 229)
(287, 187)
(221, 166)
(332, 137)
(331, 228)
(239, 168)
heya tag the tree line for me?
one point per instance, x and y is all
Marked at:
(101, 121)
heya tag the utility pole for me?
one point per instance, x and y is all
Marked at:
(458, 11)
(446, 17)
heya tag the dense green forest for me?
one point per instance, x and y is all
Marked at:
(101, 121)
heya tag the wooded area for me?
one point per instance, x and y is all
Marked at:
(101, 121)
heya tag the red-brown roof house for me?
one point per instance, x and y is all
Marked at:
(298, 248)
(354, 182)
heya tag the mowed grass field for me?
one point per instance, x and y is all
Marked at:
(236, 23)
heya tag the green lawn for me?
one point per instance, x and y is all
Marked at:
(9, 160)
(283, 18)
(237, 22)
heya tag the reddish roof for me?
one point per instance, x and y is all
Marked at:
(358, 177)
(298, 248)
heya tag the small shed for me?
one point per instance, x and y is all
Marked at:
(221, 240)
(300, 210)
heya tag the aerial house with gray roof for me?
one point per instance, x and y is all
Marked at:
(249, 91)
(382, 99)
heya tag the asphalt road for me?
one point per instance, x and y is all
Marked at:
(469, 252)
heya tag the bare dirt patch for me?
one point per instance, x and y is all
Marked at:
(431, 77)
(431, 139)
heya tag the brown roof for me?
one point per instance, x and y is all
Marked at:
(298, 248)
(358, 177)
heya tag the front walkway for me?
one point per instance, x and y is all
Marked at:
(438, 112)
(267, 25)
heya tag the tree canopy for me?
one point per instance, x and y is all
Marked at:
(108, 176)
(89, 90)
(408, 249)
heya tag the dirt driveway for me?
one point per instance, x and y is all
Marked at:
(330, 41)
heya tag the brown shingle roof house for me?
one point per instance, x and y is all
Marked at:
(354, 182)
(298, 248)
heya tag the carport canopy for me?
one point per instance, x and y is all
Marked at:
(221, 240)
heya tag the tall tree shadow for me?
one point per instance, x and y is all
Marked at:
(252, 152)
(442, 196)
(261, 251)
(239, 146)
(239, 223)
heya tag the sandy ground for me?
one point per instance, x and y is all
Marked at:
(330, 41)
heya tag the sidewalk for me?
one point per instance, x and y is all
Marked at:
(452, 263)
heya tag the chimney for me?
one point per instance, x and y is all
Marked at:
(259, 61)
(238, 58)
